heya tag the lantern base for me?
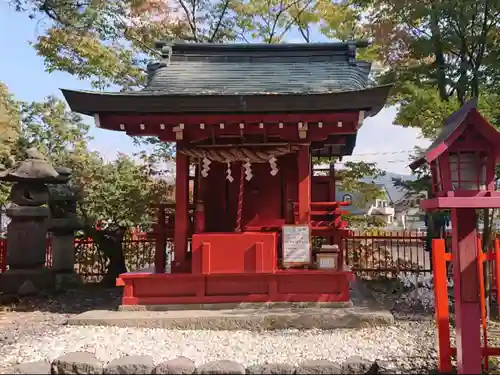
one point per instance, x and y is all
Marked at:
(492, 201)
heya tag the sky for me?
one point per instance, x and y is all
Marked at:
(24, 73)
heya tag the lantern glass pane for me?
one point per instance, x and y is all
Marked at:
(468, 171)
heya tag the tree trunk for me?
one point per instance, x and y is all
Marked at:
(438, 53)
(110, 243)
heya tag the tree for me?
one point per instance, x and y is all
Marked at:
(118, 193)
(439, 53)
(9, 120)
(110, 42)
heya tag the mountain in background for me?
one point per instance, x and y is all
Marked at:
(395, 193)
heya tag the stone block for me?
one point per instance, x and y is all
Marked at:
(180, 365)
(63, 253)
(32, 368)
(77, 363)
(133, 364)
(221, 367)
(318, 366)
(271, 368)
(26, 239)
(358, 365)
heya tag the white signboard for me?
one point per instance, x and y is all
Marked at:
(296, 245)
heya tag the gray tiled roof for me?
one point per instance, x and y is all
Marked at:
(239, 70)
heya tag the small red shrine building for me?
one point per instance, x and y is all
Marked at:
(249, 118)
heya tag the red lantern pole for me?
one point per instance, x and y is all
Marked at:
(466, 290)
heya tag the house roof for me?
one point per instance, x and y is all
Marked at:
(453, 127)
(246, 78)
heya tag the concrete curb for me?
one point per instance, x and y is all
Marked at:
(239, 319)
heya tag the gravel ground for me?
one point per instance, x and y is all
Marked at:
(409, 345)
(34, 329)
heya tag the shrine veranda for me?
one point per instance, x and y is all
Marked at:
(249, 118)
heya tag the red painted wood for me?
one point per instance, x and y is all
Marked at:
(304, 177)
(181, 212)
(460, 202)
(199, 217)
(263, 193)
(474, 123)
(466, 290)
(233, 253)
(442, 307)
(152, 122)
(214, 190)
(282, 286)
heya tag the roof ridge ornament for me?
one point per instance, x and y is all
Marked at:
(166, 53)
(152, 67)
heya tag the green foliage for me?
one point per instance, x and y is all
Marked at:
(9, 123)
(52, 129)
(364, 222)
(352, 178)
(118, 193)
(439, 53)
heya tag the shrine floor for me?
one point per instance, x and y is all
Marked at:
(362, 311)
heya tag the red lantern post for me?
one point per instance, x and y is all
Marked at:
(462, 162)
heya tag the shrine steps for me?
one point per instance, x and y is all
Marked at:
(149, 288)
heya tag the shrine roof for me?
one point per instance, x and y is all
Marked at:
(452, 128)
(188, 73)
(243, 69)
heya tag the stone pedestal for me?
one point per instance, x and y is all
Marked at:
(27, 237)
(63, 262)
(63, 253)
(26, 252)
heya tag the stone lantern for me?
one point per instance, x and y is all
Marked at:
(462, 162)
(62, 225)
(27, 231)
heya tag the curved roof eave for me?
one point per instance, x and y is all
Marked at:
(371, 100)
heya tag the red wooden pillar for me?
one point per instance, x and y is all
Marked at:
(442, 308)
(466, 290)
(304, 174)
(332, 183)
(332, 198)
(181, 212)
